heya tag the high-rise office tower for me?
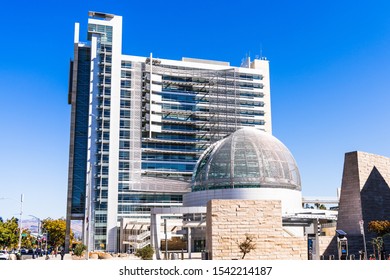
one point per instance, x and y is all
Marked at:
(139, 124)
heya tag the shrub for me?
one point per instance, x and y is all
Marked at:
(145, 253)
(79, 249)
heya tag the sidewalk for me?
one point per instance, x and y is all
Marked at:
(53, 258)
(68, 257)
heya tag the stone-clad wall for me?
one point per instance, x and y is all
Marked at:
(350, 211)
(365, 195)
(230, 220)
(365, 192)
(328, 246)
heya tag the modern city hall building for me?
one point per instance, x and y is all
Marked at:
(139, 125)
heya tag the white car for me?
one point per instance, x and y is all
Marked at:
(4, 255)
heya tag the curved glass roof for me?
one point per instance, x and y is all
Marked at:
(248, 158)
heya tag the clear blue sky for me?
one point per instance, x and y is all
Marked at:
(329, 66)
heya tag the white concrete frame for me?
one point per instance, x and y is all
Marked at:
(155, 224)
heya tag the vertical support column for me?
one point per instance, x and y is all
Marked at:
(67, 234)
(121, 247)
(166, 240)
(72, 101)
(89, 228)
(189, 242)
(316, 256)
(155, 239)
(114, 126)
(88, 216)
(152, 228)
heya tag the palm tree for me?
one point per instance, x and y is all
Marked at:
(378, 243)
(382, 229)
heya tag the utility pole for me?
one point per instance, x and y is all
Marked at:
(20, 223)
(361, 224)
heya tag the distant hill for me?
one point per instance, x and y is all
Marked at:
(32, 225)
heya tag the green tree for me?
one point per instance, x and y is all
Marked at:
(56, 230)
(9, 233)
(27, 239)
(320, 206)
(145, 253)
(379, 227)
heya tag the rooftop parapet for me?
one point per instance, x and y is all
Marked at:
(100, 15)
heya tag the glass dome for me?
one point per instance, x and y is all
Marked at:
(248, 158)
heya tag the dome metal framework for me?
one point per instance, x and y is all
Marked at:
(248, 158)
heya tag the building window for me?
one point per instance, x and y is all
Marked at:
(125, 74)
(124, 124)
(125, 93)
(123, 176)
(124, 144)
(125, 104)
(124, 155)
(124, 134)
(126, 64)
(125, 114)
(125, 84)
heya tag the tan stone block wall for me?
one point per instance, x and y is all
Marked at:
(230, 220)
(368, 161)
(358, 168)
(325, 241)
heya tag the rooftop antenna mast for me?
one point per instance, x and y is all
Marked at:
(245, 62)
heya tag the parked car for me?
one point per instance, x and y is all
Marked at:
(4, 255)
(27, 251)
